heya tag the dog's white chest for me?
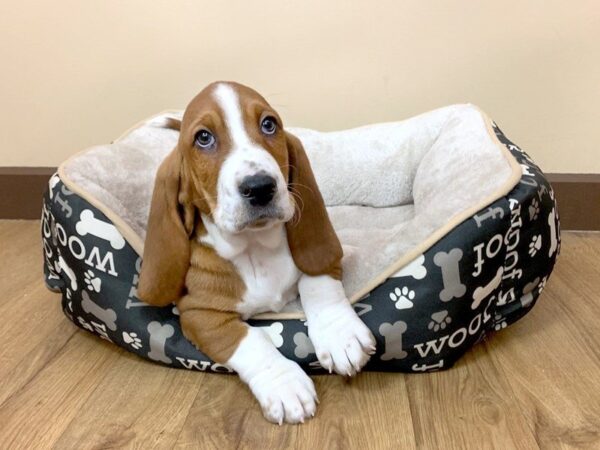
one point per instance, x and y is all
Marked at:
(270, 276)
(265, 264)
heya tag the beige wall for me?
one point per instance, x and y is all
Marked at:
(76, 73)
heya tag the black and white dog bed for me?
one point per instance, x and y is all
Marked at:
(449, 231)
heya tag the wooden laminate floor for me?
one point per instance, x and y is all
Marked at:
(533, 385)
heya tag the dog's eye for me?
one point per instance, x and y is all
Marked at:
(204, 139)
(268, 125)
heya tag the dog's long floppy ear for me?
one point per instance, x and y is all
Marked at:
(315, 247)
(167, 247)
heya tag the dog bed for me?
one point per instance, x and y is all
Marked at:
(449, 231)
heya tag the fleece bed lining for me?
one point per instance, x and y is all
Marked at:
(392, 189)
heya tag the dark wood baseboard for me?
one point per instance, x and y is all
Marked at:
(578, 195)
(21, 191)
(578, 198)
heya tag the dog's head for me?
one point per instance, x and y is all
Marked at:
(234, 163)
(236, 154)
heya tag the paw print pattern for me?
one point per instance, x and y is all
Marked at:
(403, 297)
(439, 320)
(499, 322)
(534, 209)
(132, 339)
(535, 245)
(92, 282)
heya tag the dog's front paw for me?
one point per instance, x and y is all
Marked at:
(285, 393)
(342, 341)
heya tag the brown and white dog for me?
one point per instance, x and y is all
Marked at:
(238, 226)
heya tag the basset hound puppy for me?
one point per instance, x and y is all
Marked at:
(237, 227)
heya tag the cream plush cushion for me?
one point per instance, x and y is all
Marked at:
(392, 189)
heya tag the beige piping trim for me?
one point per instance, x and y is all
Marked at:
(138, 245)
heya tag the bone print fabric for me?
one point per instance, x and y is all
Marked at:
(484, 275)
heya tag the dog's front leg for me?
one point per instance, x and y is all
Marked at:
(284, 391)
(342, 341)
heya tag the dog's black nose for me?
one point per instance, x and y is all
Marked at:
(258, 189)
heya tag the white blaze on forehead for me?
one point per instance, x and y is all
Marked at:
(246, 158)
(229, 102)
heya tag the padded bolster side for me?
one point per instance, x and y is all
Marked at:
(463, 166)
(374, 165)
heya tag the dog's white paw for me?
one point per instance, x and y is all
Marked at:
(285, 393)
(342, 342)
